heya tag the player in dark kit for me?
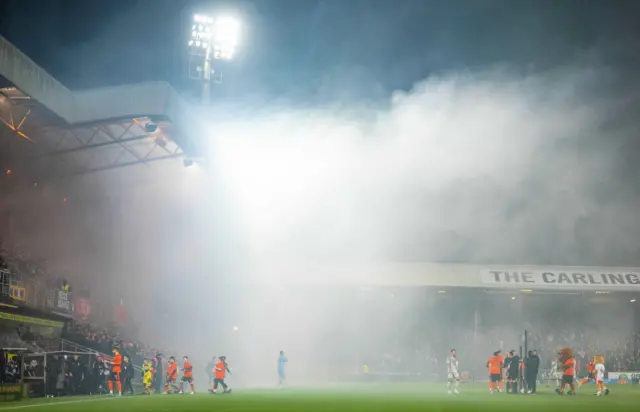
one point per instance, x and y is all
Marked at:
(532, 365)
(512, 366)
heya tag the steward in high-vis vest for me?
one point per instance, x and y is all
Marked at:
(221, 370)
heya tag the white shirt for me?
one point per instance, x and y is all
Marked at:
(599, 369)
(452, 364)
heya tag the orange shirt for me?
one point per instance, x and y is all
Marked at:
(569, 367)
(221, 370)
(117, 363)
(591, 367)
(172, 371)
(188, 370)
(495, 364)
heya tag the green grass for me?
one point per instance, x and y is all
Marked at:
(351, 398)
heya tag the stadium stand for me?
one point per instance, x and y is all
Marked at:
(103, 340)
(459, 312)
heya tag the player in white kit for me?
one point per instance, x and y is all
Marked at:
(599, 376)
(453, 372)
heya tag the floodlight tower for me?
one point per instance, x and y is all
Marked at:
(212, 39)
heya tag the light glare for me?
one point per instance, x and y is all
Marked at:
(227, 33)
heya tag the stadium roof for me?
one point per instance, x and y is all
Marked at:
(443, 275)
(63, 132)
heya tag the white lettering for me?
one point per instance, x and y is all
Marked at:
(63, 300)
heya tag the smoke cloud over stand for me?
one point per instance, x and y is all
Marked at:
(493, 166)
(483, 167)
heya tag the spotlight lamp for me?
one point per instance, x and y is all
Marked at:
(221, 35)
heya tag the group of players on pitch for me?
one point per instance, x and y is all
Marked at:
(150, 370)
(497, 365)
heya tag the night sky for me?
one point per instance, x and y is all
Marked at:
(314, 49)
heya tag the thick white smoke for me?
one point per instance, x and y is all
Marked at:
(497, 166)
(487, 167)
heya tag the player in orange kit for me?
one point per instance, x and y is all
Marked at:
(172, 376)
(187, 375)
(221, 370)
(116, 371)
(495, 365)
(591, 368)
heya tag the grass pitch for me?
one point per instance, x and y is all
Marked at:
(350, 398)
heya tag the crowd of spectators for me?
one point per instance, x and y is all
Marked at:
(422, 348)
(104, 339)
(620, 353)
(19, 261)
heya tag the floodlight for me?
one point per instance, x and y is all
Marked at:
(227, 32)
(218, 38)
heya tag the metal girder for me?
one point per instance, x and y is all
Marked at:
(112, 145)
(61, 150)
(97, 145)
(137, 162)
(12, 114)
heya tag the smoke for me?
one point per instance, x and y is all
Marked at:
(494, 166)
(483, 167)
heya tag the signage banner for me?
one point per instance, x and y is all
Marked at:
(624, 377)
(29, 319)
(10, 392)
(560, 278)
(121, 314)
(63, 301)
(18, 293)
(82, 308)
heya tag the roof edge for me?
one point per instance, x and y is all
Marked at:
(30, 78)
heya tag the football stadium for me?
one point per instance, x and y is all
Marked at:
(318, 222)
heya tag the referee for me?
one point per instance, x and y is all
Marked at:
(512, 366)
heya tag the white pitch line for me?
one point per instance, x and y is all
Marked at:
(37, 405)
